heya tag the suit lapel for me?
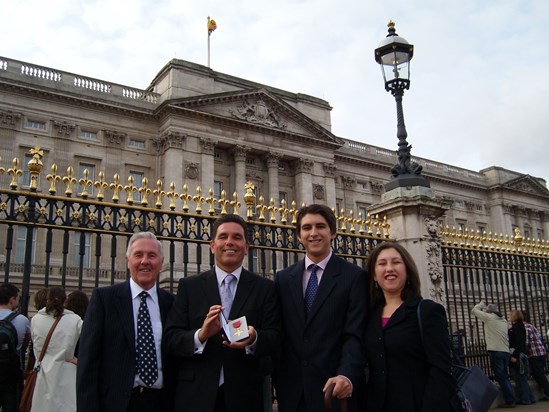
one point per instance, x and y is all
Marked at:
(243, 291)
(210, 287)
(296, 291)
(123, 300)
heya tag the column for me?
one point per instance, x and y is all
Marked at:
(170, 146)
(272, 160)
(207, 164)
(303, 181)
(239, 153)
(413, 214)
(329, 184)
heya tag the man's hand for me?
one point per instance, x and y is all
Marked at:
(243, 343)
(211, 325)
(343, 387)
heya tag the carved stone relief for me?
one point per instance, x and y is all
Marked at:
(239, 152)
(258, 112)
(64, 129)
(191, 170)
(114, 137)
(434, 258)
(208, 145)
(303, 166)
(318, 192)
(169, 140)
(329, 170)
(9, 118)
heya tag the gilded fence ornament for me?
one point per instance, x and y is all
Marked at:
(211, 201)
(158, 194)
(341, 219)
(15, 173)
(223, 202)
(361, 222)
(272, 210)
(53, 178)
(352, 221)
(172, 195)
(101, 185)
(144, 191)
(283, 212)
(378, 226)
(260, 208)
(235, 203)
(116, 188)
(85, 183)
(69, 181)
(249, 199)
(186, 197)
(386, 226)
(35, 166)
(2, 170)
(198, 199)
(293, 212)
(130, 190)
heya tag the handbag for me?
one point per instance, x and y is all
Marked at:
(475, 391)
(28, 389)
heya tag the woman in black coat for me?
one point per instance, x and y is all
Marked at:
(406, 373)
(519, 366)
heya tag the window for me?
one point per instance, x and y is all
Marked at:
(91, 175)
(34, 124)
(283, 196)
(21, 244)
(250, 161)
(138, 144)
(461, 226)
(88, 135)
(137, 182)
(218, 188)
(25, 168)
(81, 252)
(362, 213)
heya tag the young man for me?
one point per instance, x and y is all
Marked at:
(324, 303)
(213, 374)
(10, 386)
(120, 364)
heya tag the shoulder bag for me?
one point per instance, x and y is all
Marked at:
(28, 389)
(475, 392)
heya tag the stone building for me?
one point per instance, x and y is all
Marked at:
(198, 127)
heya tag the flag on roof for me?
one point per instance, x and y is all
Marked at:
(212, 25)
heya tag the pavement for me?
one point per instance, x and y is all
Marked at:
(541, 406)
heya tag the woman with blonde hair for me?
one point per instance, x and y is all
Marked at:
(55, 389)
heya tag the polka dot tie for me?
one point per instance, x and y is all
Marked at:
(146, 351)
(312, 287)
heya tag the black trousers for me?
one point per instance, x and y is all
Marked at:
(145, 400)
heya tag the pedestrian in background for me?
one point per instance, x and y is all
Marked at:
(536, 356)
(519, 366)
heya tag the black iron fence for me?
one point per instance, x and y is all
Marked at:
(507, 271)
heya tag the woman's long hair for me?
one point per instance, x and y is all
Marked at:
(55, 304)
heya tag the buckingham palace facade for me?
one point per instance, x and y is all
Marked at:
(197, 127)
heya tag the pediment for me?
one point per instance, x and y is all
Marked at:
(527, 184)
(258, 108)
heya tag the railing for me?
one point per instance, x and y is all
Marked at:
(508, 272)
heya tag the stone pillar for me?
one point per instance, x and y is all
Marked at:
(329, 184)
(272, 160)
(207, 169)
(303, 181)
(413, 214)
(239, 153)
(170, 146)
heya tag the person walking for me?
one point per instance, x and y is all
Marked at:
(536, 356)
(497, 343)
(519, 366)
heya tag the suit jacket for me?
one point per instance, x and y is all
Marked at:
(405, 376)
(326, 343)
(198, 375)
(106, 364)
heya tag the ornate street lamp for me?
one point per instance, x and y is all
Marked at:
(394, 54)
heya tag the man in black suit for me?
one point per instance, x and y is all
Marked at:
(112, 374)
(323, 302)
(213, 374)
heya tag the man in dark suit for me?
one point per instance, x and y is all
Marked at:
(323, 302)
(213, 374)
(112, 373)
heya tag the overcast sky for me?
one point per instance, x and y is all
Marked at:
(478, 95)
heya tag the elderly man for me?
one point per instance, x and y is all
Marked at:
(120, 365)
(497, 343)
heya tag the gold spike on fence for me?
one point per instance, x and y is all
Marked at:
(139, 194)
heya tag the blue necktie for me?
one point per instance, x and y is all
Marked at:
(227, 294)
(312, 287)
(146, 351)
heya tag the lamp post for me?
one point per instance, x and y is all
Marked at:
(394, 54)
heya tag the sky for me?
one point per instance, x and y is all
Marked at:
(476, 99)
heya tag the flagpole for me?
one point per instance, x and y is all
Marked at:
(208, 50)
(211, 27)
